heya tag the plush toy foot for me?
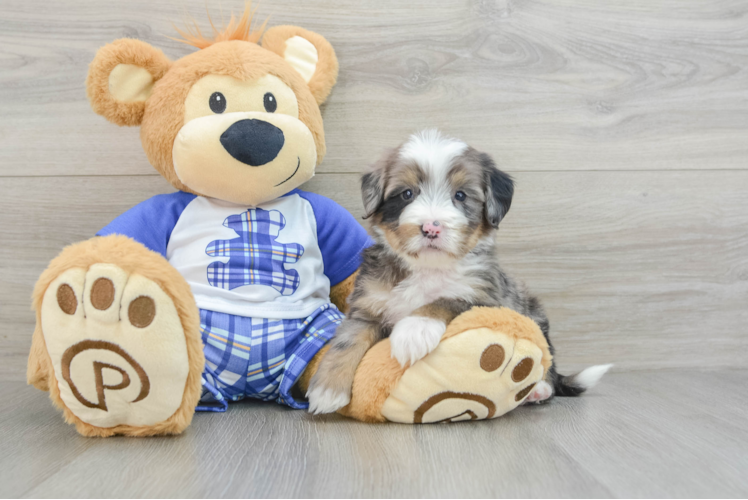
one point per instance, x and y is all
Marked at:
(124, 356)
(487, 364)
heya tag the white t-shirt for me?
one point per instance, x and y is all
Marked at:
(276, 260)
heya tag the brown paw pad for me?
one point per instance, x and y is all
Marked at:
(66, 299)
(102, 294)
(522, 370)
(141, 312)
(492, 358)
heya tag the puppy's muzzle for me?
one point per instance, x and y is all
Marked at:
(253, 142)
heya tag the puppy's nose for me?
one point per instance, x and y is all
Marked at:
(254, 142)
(431, 229)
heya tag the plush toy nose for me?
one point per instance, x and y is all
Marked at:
(254, 142)
(431, 230)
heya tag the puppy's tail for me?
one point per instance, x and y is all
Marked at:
(575, 385)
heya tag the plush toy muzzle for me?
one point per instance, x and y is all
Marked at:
(228, 156)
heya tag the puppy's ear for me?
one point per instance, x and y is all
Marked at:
(372, 191)
(499, 190)
(372, 184)
(121, 77)
(308, 53)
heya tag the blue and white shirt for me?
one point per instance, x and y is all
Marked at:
(277, 260)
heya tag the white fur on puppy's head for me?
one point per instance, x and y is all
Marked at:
(432, 151)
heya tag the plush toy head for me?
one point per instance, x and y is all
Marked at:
(235, 120)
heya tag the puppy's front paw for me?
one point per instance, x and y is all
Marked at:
(414, 337)
(327, 400)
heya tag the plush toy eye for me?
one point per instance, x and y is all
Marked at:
(270, 103)
(460, 196)
(407, 194)
(217, 103)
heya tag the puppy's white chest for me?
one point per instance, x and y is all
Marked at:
(424, 287)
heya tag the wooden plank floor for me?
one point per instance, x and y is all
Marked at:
(642, 434)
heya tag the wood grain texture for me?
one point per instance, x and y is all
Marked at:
(624, 125)
(639, 434)
(541, 85)
(641, 269)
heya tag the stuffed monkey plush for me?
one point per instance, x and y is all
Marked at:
(231, 286)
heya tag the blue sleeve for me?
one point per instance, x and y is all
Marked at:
(152, 221)
(341, 238)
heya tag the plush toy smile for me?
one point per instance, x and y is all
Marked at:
(298, 164)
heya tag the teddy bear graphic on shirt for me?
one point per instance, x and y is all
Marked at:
(255, 257)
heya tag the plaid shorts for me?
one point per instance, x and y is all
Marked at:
(260, 358)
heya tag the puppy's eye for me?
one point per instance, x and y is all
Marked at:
(460, 196)
(407, 194)
(217, 103)
(270, 103)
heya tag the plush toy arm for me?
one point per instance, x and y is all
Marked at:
(340, 292)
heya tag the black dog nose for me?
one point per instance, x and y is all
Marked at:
(254, 142)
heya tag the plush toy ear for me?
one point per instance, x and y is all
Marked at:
(121, 77)
(308, 53)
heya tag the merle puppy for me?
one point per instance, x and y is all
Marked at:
(434, 205)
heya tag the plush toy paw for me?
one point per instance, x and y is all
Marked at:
(488, 362)
(120, 360)
(477, 374)
(414, 337)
